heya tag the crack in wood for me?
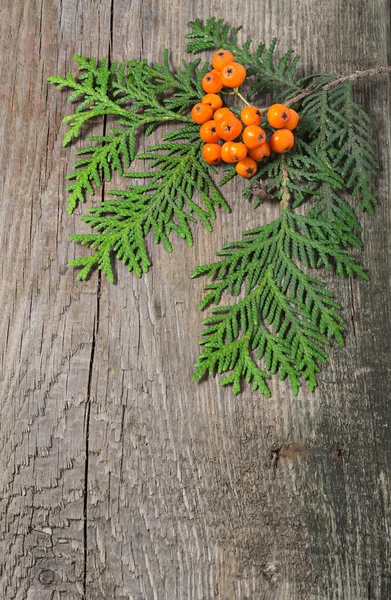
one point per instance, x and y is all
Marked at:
(94, 337)
(87, 433)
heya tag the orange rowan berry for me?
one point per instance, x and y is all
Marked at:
(237, 151)
(200, 113)
(254, 136)
(278, 115)
(222, 112)
(213, 100)
(292, 120)
(211, 153)
(233, 75)
(211, 83)
(259, 152)
(229, 127)
(251, 115)
(208, 132)
(222, 58)
(226, 152)
(282, 141)
(246, 167)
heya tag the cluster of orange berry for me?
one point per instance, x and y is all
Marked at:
(219, 124)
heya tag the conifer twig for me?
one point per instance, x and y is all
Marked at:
(331, 84)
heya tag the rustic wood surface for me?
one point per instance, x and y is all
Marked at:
(121, 479)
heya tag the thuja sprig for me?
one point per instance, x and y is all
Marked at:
(286, 317)
(164, 204)
(272, 313)
(133, 94)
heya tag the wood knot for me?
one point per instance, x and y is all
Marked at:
(46, 577)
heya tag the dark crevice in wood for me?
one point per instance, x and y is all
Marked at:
(354, 311)
(87, 434)
(142, 30)
(111, 31)
(95, 334)
(274, 458)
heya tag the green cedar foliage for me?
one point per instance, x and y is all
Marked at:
(285, 316)
(271, 312)
(132, 93)
(163, 204)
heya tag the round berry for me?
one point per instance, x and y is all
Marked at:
(221, 58)
(201, 113)
(222, 112)
(282, 141)
(278, 115)
(292, 120)
(208, 132)
(254, 136)
(229, 127)
(213, 100)
(226, 152)
(260, 152)
(211, 83)
(212, 153)
(251, 115)
(246, 167)
(237, 151)
(233, 75)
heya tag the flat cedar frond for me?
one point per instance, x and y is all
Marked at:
(355, 159)
(321, 122)
(286, 317)
(334, 210)
(133, 93)
(342, 138)
(272, 75)
(113, 152)
(163, 204)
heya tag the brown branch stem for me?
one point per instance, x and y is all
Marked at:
(331, 84)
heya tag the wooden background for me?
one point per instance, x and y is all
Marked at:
(119, 478)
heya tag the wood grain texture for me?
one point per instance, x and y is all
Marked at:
(120, 478)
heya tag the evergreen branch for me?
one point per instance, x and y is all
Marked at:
(103, 91)
(335, 211)
(355, 160)
(93, 87)
(164, 204)
(286, 315)
(114, 152)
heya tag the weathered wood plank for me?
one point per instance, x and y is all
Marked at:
(47, 320)
(185, 492)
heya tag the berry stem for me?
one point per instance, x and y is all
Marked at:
(237, 93)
